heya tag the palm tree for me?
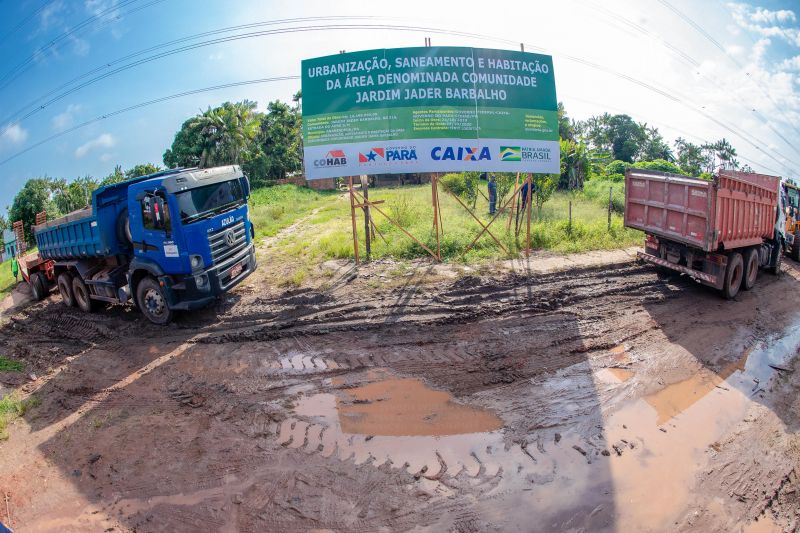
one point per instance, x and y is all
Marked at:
(226, 132)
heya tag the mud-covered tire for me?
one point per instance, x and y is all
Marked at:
(734, 274)
(751, 264)
(81, 294)
(38, 284)
(153, 301)
(794, 252)
(65, 289)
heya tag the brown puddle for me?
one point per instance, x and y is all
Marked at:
(405, 407)
(676, 398)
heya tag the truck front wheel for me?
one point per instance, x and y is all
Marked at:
(751, 269)
(733, 276)
(65, 289)
(153, 302)
(81, 293)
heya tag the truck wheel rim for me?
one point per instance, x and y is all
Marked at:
(154, 302)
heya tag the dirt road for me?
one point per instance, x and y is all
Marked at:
(598, 399)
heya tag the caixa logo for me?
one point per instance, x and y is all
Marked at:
(334, 158)
(460, 153)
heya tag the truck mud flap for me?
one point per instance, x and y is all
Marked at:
(702, 277)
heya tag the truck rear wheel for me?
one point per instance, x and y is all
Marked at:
(81, 294)
(153, 301)
(794, 252)
(776, 258)
(733, 276)
(38, 284)
(65, 289)
(751, 269)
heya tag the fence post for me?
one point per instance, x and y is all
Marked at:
(570, 217)
(610, 190)
(365, 193)
(353, 215)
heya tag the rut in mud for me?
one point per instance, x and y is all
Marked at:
(470, 405)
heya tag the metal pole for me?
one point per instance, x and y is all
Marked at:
(436, 214)
(610, 190)
(353, 216)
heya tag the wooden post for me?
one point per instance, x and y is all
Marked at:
(610, 190)
(367, 229)
(570, 218)
(528, 234)
(436, 215)
(514, 205)
(353, 216)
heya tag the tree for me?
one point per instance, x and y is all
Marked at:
(691, 158)
(544, 185)
(35, 196)
(618, 134)
(723, 155)
(74, 195)
(115, 177)
(654, 147)
(566, 130)
(141, 170)
(574, 165)
(278, 144)
(222, 135)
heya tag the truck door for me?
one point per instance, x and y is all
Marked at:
(158, 241)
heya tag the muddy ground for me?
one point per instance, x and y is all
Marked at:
(605, 398)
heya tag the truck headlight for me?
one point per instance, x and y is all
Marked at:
(201, 281)
(196, 261)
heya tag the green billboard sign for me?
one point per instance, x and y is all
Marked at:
(429, 109)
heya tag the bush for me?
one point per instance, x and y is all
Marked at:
(616, 167)
(402, 210)
(598, 190)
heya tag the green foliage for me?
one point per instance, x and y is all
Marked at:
(274, 208)
(277, 149)
(36, 196)
(544, 186)
(575, 164)
(10, 365)
(505, 184)
(616, 167)
(11, 408)
(597, 191)
(75, 195)
(402, 210)
(220, 136)
(566, 129)
(660, 165)
(462, 184)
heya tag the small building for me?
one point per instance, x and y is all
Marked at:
(10, 246)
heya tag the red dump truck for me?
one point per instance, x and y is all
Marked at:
(719, 232)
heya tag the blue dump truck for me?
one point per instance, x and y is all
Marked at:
(169, 241)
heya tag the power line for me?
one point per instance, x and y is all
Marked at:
(10, 75)
(145, 104)
(25, 20)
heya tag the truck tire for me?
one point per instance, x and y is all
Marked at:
(65, 289)
(38, 284)
(81, 293)
(124, 227)
(794, 253)
(153, 302)
(734, 275)
(751, 264)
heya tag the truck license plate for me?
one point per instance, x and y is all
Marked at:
(236, 270)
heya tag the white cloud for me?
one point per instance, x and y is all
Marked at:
(765, 16)
(792, 63)
(765, 22)
(105, 158)
(66, 118)
(13, 134)
(104, 140)
(49, 16)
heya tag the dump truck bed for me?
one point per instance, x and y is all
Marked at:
(736, 209)
(73, 236)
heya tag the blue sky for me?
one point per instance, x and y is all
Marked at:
(737, 69)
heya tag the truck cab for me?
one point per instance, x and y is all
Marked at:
(170, 241)
(192, 233)
(791, 207)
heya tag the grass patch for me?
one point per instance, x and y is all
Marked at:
(11, 408)
(10, 365)
(330, 233)
(276, 207)
(7, 282)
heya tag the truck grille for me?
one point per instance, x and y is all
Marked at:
(222, 248)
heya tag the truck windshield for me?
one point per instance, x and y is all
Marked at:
(208, 200)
